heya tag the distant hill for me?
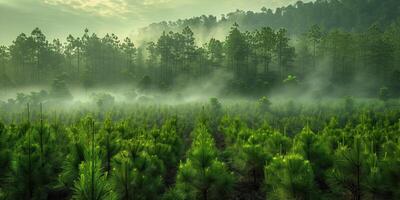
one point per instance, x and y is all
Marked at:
(350, 15)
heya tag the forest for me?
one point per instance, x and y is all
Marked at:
(296, 103)
(348, 15)
(245, 63)
(324, 57)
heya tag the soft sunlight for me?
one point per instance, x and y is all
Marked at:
(98, 7)
(199, 99)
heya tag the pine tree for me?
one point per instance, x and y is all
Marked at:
(92, 182)
(316, 151)
(350, 170)
(266, 42)
(202, 175)
(289, 177)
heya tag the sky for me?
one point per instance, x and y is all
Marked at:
(59, 18)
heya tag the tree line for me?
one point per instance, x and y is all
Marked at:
(349, 15)
(259, 60)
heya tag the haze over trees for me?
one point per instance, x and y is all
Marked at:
(306, 108)
(347, 15)
(261, 60)
(334, 42)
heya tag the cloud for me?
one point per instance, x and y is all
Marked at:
(105, 8)
(127, 8)
(155, 2)
(59, 18)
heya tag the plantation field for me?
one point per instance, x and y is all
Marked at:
(346, 149)
(200, 100)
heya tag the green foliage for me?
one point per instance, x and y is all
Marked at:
(202, 175)
(314, 149)
(124, 176)
(263, 58)
(70, 168)
(110, 143)
(284, 52)
(278, 144)
(5, 159)
(385, 174)
(266, 41)
(138, 176)
(248, 156)
(92, 183)
(351, 170)
(34, 167)
(147, 152)
(168, 143)
(237, 50)
(290, 80)
(5, 153)
(289, 177)
(264, 104)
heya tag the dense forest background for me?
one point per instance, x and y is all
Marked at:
(349, 15)
(326, 47)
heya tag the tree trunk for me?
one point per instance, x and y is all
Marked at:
(205, 194)
(79, 60)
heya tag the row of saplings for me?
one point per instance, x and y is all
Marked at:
(120, 161)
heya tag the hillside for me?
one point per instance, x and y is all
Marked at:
(349, 15)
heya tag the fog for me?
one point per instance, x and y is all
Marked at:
(310, 91)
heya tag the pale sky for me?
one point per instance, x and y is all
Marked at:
(58, 18)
